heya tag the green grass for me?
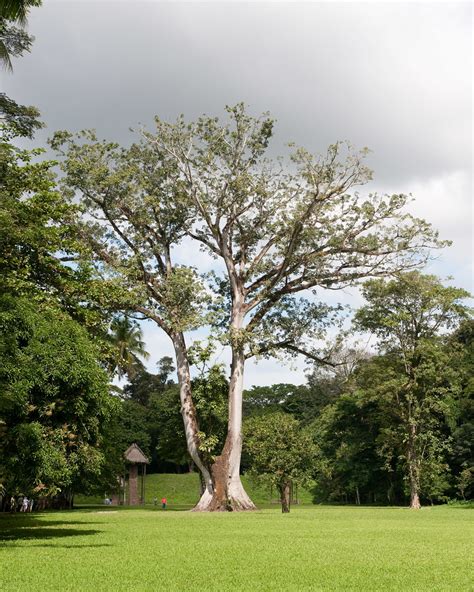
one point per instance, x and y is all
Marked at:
(313, 548)
(182, 491)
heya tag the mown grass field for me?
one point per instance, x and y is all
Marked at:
(312, 548)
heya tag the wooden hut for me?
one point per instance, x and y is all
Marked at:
(137, 462)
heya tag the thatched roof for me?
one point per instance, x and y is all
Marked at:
(134, 454)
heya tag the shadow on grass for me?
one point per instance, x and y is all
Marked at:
(54, 546)
(15, 528)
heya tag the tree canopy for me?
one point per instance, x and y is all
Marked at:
(54, 403)
(279, 230)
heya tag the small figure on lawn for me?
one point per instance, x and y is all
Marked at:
(163, 503)
(25, 504)
(155, 501)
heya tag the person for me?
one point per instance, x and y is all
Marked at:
(155, 501)
(24, 504)
(163, 503)
(12, 504)
(30, 505)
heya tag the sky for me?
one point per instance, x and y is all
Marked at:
(393, 76)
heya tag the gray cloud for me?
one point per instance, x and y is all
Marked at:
(392, 76)
(396, 77)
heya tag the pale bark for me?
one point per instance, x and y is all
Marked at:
(413, 469)
(188, 413)
(229, 493)
(415, 501)
(222, 486)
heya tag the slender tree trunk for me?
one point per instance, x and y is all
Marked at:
(357, 496)
(285, 488)
(188, 412)
(413, 469)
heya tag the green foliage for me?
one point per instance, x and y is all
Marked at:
(38, 247)
(304, 402)
(210, 392)
(126, 337)
(461, 458)
(32, 214)
(142, 384)
(349, 466)
(278, 448)
(54, 400)
(18, 120)
(168, 426)
(404, 311)
(407, 315)
(14, 41)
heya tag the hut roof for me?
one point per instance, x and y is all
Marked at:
(134, 454)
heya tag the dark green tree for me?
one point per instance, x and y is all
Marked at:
(407, 315)
(280, 450)
(461, 458)
(54, 401)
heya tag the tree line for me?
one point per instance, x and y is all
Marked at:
(392, 426)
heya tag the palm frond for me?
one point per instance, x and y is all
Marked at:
(5, 57)
(17, 10)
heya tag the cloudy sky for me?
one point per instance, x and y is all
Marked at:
(396, 77)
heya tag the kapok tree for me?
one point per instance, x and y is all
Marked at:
(281, 231)
(407, 315)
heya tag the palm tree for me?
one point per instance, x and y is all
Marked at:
(13, 40)
(127, 339)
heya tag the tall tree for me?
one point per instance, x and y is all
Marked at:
(279, 231)
(130, 218)
(407, 315)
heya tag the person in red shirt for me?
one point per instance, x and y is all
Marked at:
(163, 503)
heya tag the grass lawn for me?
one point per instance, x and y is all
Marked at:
(182, 491)
(313, 548)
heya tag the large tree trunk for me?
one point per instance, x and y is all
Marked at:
(285, 489)
(223, 489)
(229, 493)
(413, 469)
(188, 412)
